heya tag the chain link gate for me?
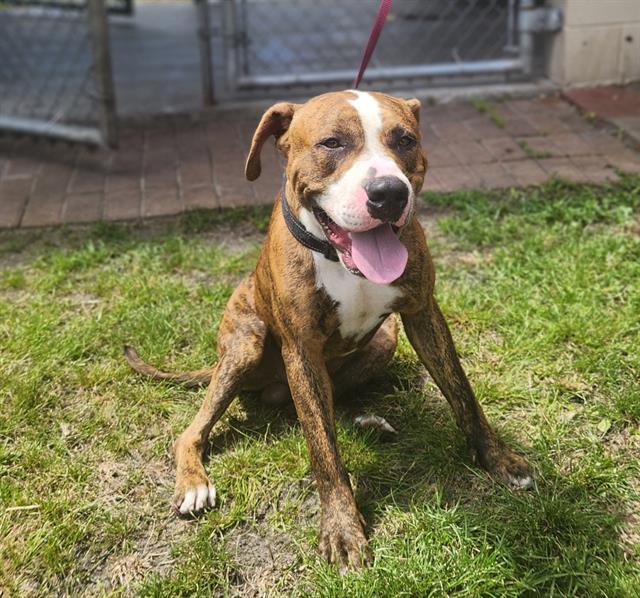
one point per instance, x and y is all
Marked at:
(310, 44)
(55, 70)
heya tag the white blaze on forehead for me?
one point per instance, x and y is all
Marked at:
(369, 112)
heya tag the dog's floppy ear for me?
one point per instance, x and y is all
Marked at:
(274, 121)
(414, 106)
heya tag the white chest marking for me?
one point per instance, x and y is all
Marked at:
(361, 303)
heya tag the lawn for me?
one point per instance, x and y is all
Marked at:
(542, 291)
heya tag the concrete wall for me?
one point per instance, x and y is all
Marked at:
(599, 44)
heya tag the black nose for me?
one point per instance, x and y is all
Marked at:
(387, 197)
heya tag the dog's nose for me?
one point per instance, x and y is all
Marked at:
(387, 197)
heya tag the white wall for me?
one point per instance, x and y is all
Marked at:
(599, 44)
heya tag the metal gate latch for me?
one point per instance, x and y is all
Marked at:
(540, 20)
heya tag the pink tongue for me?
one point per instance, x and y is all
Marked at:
(378, 254)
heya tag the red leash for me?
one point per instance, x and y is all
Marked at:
(381, 17)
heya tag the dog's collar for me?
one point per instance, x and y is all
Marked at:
(301, 234)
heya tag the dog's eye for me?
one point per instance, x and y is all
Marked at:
(406, 141)
(331, 143)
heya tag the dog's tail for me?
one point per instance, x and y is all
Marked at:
(188, 379)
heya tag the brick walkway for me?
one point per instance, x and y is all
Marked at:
(173, 164)
(619, 106)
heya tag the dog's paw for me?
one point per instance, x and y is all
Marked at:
(342, 541)
(191, 498)
(503, 462)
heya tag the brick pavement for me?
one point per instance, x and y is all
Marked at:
(619, 106)
(173, 164)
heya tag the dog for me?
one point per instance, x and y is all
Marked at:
(344, 252)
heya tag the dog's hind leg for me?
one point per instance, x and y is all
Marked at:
(365, 366)
(371, 361)
(241, 344)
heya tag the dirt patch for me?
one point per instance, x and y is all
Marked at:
(196, 279)
(15, 296)
(150, 553)
(304, 497)
(626, 443)
(15, 247)
(82, 302)
(475, 258)
(428, 216)
(234, 237)
(147, 482)
(141, 486)
(265, 560)
(630, 534)
(21, 247)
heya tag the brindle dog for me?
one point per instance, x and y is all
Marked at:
(304, 324)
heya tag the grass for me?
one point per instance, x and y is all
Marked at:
(542, 291)
(533, 153)
(485, 107)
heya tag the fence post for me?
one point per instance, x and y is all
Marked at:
(526, 38)
(230, 36)
(99, 39)
(204, 44)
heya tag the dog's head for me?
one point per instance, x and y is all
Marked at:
(354, 168)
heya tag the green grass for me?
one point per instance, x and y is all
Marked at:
(488, 108)
(533, 153)
(542, 291)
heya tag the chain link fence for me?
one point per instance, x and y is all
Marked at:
(55, 71)
(49, 84)
(276, 43)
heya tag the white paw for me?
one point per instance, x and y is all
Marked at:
(198, 498)
(521, 482)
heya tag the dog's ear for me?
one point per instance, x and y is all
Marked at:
(414, 106)
(274, 121)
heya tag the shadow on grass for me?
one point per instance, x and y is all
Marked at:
(562, 536)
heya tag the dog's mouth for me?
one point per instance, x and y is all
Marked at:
(376, 254)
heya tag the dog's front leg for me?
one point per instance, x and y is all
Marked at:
(429, 335)
(342, 539)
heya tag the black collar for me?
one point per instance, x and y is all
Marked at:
(301, 234)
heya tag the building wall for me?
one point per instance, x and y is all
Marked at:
(599, 43)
